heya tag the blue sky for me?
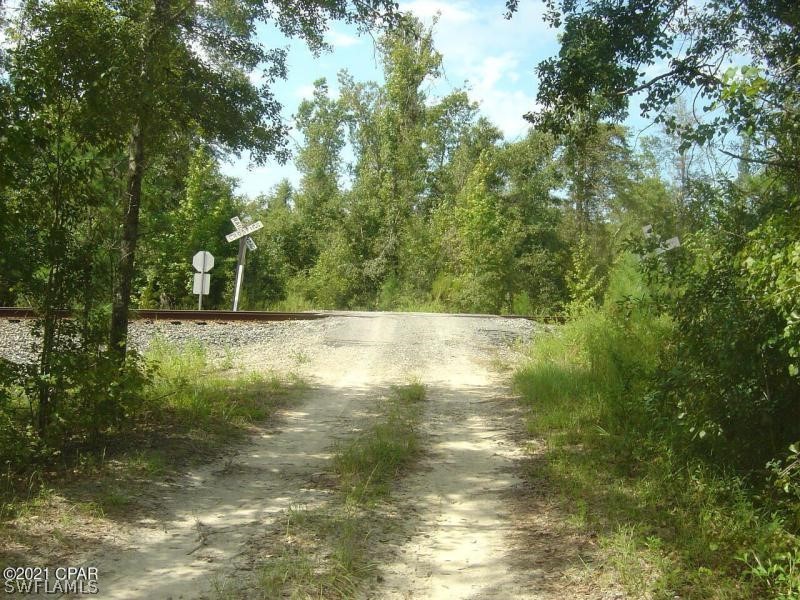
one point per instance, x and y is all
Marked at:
(492, 57)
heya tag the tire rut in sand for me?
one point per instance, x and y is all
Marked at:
(206, 526)
(460, 544)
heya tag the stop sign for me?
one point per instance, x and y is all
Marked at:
(203, 261)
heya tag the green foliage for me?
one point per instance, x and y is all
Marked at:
(200, 203)
(598, 68)
(728, 378)
(670, 523)
(486, 238)
(771, 262)
(583, 283)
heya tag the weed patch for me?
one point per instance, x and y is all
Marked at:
(324, 553)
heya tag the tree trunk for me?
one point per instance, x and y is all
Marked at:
(118, 340)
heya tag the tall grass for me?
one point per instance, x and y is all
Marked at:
(671, 526)
(188, 391)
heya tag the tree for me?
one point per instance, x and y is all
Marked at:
(321, 121)
(149, 69)
(188, 208)
(597, 166)
(607, 47)
(225, 107)
(486, 239)
(729, 373)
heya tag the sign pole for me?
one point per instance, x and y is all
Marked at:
(200, 295)
(239, 273)
(242, 234)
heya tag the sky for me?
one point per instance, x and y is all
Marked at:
(493, 58)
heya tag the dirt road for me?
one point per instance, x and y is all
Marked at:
(460, 543)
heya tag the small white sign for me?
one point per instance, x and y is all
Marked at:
(671, 243)
(202, 283)
(251, 245)
(203, 261)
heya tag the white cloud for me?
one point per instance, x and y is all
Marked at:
(506, 109)
(258, 180)
(342, 40)
(492, 84)
(452, 12)
(496, 56)
(304, 92)
(256, 77)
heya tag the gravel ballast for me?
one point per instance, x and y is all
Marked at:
(287, 346)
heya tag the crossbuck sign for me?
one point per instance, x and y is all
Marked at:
(246, 243)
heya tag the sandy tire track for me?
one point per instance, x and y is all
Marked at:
(462, 539)
(208, 526)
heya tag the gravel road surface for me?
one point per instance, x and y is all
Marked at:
(461, 543)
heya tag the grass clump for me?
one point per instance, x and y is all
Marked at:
(188, 393)
(325, 552)
(671, 523)
(366, 465)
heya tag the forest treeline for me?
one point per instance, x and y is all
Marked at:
(113, 126)
(410, 201)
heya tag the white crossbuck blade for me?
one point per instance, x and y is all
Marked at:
(244, 231)
(670, 244)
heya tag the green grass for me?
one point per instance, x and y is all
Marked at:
(366, 465)
(187, 392)
(668, 526)
(188, 410)
(325, 552)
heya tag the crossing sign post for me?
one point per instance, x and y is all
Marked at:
(242, 234)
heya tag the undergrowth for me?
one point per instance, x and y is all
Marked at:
(671, 523)
(185, 412)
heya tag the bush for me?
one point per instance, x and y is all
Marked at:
(597, 385)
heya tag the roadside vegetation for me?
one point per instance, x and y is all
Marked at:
(325, 552)
(635, 457)
(187, 410)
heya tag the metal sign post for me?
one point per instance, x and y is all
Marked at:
(242, 234)
(203, 262)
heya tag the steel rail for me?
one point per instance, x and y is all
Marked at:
(249, 315)
(183, 315)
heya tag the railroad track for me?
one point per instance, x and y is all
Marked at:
(244, 315)
(185, 315)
